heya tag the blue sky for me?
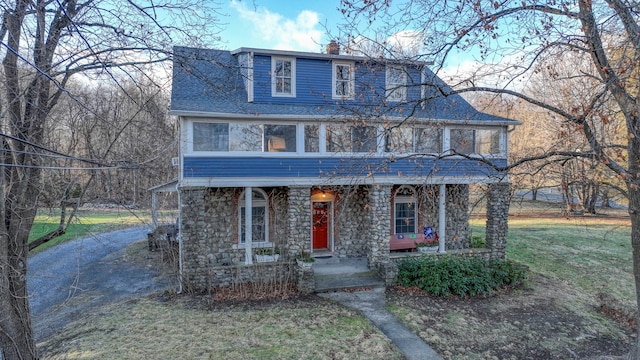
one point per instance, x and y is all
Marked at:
(305, 25)
(278, 24)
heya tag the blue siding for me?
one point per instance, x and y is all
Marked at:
(328, 167)
(314, 87)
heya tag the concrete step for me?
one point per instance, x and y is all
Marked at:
(337, 282)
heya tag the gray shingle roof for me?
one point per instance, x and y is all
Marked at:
(211, 81)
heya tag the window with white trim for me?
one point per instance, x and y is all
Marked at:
(279, 138)
(283, 76)
(396, 83)
(210, 136)
(405, 213)
(428, 140)
(364, 139)
(488, 141)
(343, 80)
(312, 138)
(479, 141)
(259, 217)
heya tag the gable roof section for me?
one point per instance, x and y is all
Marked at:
(210, 82)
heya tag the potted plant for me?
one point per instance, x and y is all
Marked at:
(431, 241)
(305, 259)
(427, 246)
(267, 254)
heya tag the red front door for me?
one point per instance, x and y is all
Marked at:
(321, 225)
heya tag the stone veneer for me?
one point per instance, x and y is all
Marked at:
(210, 256)
(497, 219)
(457, 217)
(298, 221)
(379, 225)
(352, 221)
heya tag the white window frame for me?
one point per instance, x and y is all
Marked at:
(396, 91)
(274, 81)
(241, 231)
(403, 199)
(334, 79)
(502, 145)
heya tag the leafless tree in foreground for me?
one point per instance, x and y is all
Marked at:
(46, 44)
(520, 39)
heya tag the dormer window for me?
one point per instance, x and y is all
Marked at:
(283, 76)
(343, 80)
(396, 83)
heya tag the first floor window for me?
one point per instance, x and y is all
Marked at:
(462, 141)
(312, 138)
(487, 141)
(280, 138)
(245, 137)
(428, 140)
(399, 140)
(364, 139)
(338, 138)
(405, 213)
(258, 218)
(210, 137)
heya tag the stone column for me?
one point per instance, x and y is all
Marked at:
(497, 219)
(193, 236)
(298, 221)
(380, 226)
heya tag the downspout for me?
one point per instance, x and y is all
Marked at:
(248, 221)
(442, 221)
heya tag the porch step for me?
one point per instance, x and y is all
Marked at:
(328, 283)
(333, 274)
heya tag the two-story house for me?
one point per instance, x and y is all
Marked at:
(334, 154)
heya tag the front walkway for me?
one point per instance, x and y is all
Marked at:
(371, 303)
(334, 274)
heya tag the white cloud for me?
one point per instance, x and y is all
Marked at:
(301, 33)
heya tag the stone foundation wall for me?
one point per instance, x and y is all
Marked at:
(209, 232)
(207, 225)
(264, 273)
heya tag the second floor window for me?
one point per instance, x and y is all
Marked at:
(283, 72)
(396, 83)
(343, 80)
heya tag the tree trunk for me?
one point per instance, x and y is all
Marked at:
(16, 337)
(634, 212)
(534, 194)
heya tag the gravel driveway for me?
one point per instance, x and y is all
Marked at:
(69, 280)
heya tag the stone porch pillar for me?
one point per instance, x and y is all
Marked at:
(380, 225)
(497, 219)
(299, 221)
(193, 240)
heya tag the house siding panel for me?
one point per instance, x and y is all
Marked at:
(328, 167)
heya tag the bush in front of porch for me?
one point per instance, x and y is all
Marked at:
(458, 275)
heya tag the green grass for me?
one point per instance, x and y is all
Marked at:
(592, 255)
(87, 223)
(148, 329)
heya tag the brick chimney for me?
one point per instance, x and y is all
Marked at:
(333, 48)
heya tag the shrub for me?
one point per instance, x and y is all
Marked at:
(460, 276)
(477, 242)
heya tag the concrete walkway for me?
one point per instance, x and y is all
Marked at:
(371, 303)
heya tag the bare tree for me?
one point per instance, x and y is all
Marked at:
(518, 39)
(45, 45)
